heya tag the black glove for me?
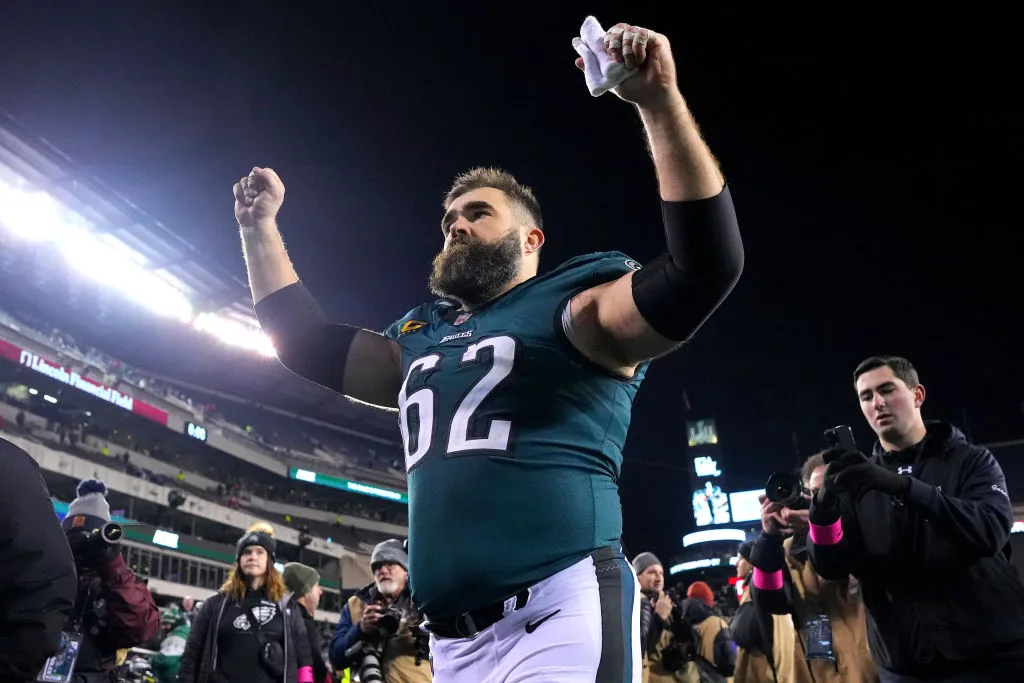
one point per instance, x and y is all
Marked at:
(854, 474)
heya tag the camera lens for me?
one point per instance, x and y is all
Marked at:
(782, 487)
(112, 532)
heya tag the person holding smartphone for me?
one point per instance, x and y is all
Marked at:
(923, 524)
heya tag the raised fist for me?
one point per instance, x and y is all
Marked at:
(258, 197)
(650, 53)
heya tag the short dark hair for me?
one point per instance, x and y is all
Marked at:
(519, 195)
(901, 367)
(812, 463)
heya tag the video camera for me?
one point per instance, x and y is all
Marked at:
(91, 545)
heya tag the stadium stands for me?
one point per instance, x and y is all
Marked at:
(124, 355)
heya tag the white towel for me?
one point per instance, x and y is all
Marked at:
(601, 71)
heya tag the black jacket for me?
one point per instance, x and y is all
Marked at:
(38, 583)
(199, 660)
(940, 591)
(315, 644)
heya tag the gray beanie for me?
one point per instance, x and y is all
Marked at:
(299, 578)
(90, 510)
(390, 550)
(643, 561)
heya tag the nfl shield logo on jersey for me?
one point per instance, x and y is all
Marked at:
(463, 317)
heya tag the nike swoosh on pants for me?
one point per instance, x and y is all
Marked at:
(530, 628)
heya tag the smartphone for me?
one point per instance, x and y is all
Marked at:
(840, 436)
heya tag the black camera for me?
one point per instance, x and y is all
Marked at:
(370, 652)
(785, 488)
(390, 620)
(90, 546)
(682, 648)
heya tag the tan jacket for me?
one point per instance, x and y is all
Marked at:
(753, 667)
(841, 601)
(707, 631)
(653, 671)
(399, 663)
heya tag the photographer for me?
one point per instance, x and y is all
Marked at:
(37, 572)
(379, 632)
(699, 626)
(923, 524)
(831, 642)
(113, 609)
(683, 639)
(765, 642)
(249, 631)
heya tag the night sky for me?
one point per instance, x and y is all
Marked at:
(872, 160)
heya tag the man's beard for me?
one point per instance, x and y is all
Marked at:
(387, 586)
(472, 272)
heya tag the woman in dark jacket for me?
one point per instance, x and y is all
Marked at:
(250, 631)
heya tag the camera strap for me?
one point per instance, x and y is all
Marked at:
(271, 652)
(257, 625)
(76, 623)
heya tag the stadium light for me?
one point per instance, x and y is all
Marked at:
(712, 535)
(39, 217)
(234, 333)
(33, 216)
(96, 260)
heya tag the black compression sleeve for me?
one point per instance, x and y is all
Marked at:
(306, 343)
(680, 289)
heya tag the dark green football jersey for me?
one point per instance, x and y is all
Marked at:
(513, 440)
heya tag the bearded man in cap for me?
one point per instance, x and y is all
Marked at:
(380, 620)
(655, 618)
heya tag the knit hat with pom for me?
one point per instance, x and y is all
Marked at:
(701, 591)
(261, 534)
(90, 509)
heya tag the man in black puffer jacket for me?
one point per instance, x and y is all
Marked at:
(38, 581)
(923, 525)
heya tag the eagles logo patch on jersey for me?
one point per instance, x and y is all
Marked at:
(411, 326)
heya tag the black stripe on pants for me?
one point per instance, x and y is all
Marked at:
(617, 593)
